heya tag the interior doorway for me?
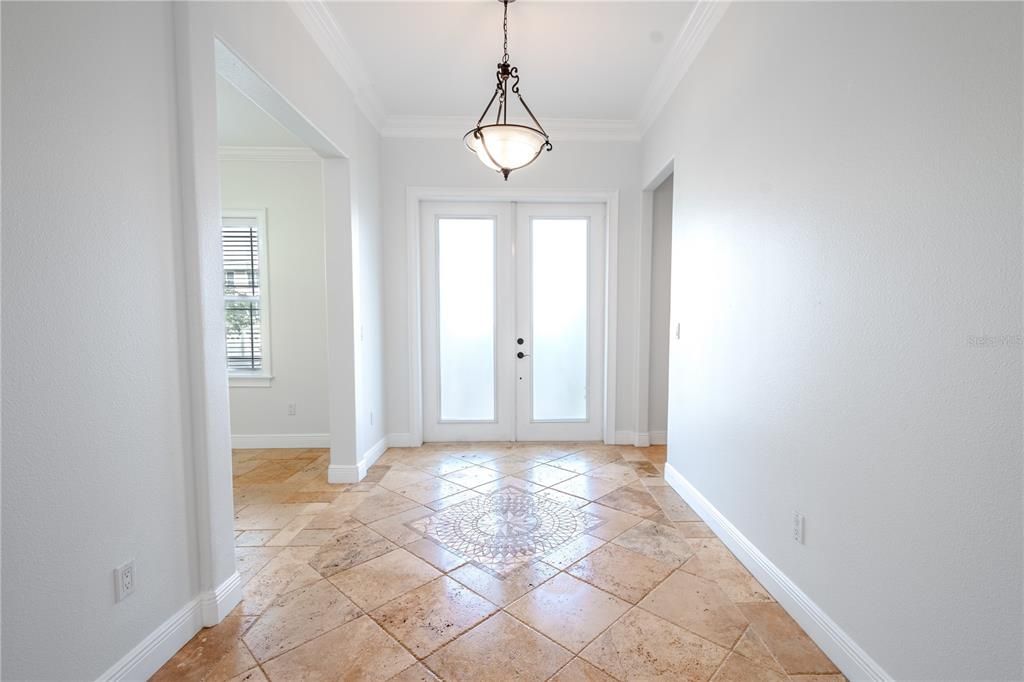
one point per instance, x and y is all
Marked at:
(513, 300)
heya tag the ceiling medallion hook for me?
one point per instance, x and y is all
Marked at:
(504, 146)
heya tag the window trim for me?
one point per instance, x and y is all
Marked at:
(240, 378)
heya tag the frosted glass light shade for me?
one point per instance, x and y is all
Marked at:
(506, 147)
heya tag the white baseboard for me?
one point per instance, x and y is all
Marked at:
(851, 659)
(157, 648)
(281, 440)
(657, 437)
(218, 603)
(353, 473)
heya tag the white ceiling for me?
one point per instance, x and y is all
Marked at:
(240, 123)
(577, 60)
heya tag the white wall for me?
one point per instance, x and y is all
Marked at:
(291, 192)
(661, 271)
(95, 461)
(847, 219)
(104, 457)
(446, 163)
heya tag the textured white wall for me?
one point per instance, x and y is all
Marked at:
(661, 270)
(446, 163)
(292, 194)
(847, 219)
(95, 460)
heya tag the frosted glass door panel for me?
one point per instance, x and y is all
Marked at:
(466, 318)
(559, 291)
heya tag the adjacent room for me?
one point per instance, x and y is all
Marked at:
(494, 340)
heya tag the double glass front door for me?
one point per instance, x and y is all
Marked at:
(513, 321)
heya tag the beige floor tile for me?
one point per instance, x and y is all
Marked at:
(394, 528)
(564, 499)
(327, 496)
(216, 650)
(250, 560)
(381, 506)
(457, 498)
(430, 490)
(546, 475)
(471, 477)
(415, 673)
(266, 516)
(312, 537)
(584, 460)
(397, 478)
(675, 507)
(587, 487)
(624, 573)
(579, 670)
(739, 669)
(499, 649)
(750, 646)
(568, 610)
(254, 538)
(435, 554)
(358, 650)
(786, 640)
(444, 465)
(695, 529)
(508, 465)
(632, 499)
(615, 522)
(643, 468)
(502, 591)
(252, 675)
(656, 541)
(506, 482)
(641, 646)
(288, 570)
(380, 580)
(714, 561)
(616, 472)
(285, 536)
(573, 551)
(297, 617)
(817, 678)
(348, 549)
(432, 615)
(698, 605)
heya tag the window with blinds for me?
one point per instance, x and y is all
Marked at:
(243, 239)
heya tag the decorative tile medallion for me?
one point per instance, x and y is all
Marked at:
(506, 529)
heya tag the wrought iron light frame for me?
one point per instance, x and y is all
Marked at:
(503, 75)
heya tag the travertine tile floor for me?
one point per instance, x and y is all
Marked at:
(488, 562)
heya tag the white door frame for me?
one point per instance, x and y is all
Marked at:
(416, 195)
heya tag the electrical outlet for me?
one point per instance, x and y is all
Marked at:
(371, 417)
(291, 409)
(798, 527)
(679, 330)
(124, 580)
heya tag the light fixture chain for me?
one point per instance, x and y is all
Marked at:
(504, 28)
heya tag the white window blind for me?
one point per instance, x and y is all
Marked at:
(243, 238)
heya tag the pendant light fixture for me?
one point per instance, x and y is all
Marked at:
(504, 146)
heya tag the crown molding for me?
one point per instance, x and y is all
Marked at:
(266, 154)
(319, 22)
(695, 32)
(559, 129)
(316, 17)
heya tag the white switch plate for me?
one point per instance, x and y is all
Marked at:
(124, 580)
(798, 527)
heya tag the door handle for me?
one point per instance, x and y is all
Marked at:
(522, 355)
